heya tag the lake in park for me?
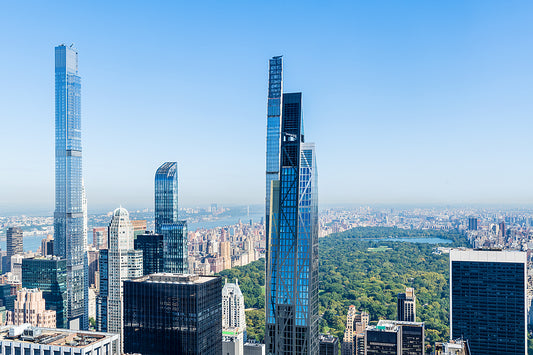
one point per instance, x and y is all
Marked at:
(413, 240)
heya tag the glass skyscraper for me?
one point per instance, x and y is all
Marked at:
(175, 253)
(292, 267)
(275, 89)
(488, 300)
(69, 240)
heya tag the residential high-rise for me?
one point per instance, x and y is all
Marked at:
(47, 246)
(275, 91)
(100, 237)
(14, 243)
(175, 254)
(139, 227)
(30, 309)
(233, 306)
(472, 223)
(123, 263)
(69, 242)
(356, 323)
(164, 313)
(151, 245)
(488, 300)
(166, 195)
(292, 266)
(406, 306)
(48, 274)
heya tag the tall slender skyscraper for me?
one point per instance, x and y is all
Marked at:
(292, 268)
(166, 195)
(68, 216)
(14, 245)
(275, 90)
(406, 306)
(175, 252)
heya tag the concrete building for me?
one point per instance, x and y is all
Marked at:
(47, 245)
(453, 347)
(100, 237)
(254, 348)
(26, 339)
(14, 245)
(233, 314)
(30, 308)
(356, 323)
(406, 306)
(232, 341)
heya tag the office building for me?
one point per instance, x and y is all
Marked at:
(14, 245)
(395, 338)
(232, 341)
(25, 339)
(472, 223)
(151, 245)
(175, 252)
(488, 300)
(69, 241)
(49, 275)
(328, 345)
(181, 311)
(123, 263)
(93, 255)
(30, 309)
(254, 348)
(273, 142)
(292, 266)
(139, 227)
(7, 296)
(453, 347)
(406, 306)
(353, 340)
(47, 246)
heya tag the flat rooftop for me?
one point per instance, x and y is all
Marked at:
(56, 337)
(175, 278)
(488, 256)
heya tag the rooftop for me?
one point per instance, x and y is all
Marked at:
(175, 278)
(48, 336)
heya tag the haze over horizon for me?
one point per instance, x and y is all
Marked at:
(412, 103)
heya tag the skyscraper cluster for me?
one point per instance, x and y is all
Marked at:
(292, 225)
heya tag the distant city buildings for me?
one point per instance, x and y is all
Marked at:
(179, 311)
(488, 300)
(69, 221)
(14, 246)
(292, 264)
(406, 306)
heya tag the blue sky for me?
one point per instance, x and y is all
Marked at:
(407, 101)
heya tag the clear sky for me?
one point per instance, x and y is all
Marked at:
(407, 101)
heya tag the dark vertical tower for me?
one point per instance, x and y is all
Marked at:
(406, 306)
(275, 90)
(69, 242)
(152, 247)
(292, 268)
(14, 242)
(488, 300)
(170, 314)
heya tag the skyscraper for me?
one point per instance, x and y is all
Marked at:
(14, 243)
(123, 263)
(48, 274)
(275, 90)
(166, 195)
(233, 315)
(175, 253)
(406, 306)
(30, 308)
(356, 322)
(171, 314)
(69, 240)
(488, 300)
(151, 246)
(292, 267)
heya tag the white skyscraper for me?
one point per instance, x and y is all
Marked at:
(233, 319)
(123, 263)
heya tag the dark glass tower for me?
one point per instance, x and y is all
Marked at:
(292, 268)
(14, 245)
(152, 248)
(488, 300)
(69, 242)
(49, 274)
(175, 254)
(170, 314)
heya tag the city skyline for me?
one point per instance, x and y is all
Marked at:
(417, 108)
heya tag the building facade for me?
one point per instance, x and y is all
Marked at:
(328, 345)
(488, 291)
(292, 266)
(181, 311)
(123, 263)
(69, 241)
(14, 245)
(353, 340)
(49, 275)
(233, 306)
(395, 338)
(30, 309)
(151, 245)
(406, 306)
